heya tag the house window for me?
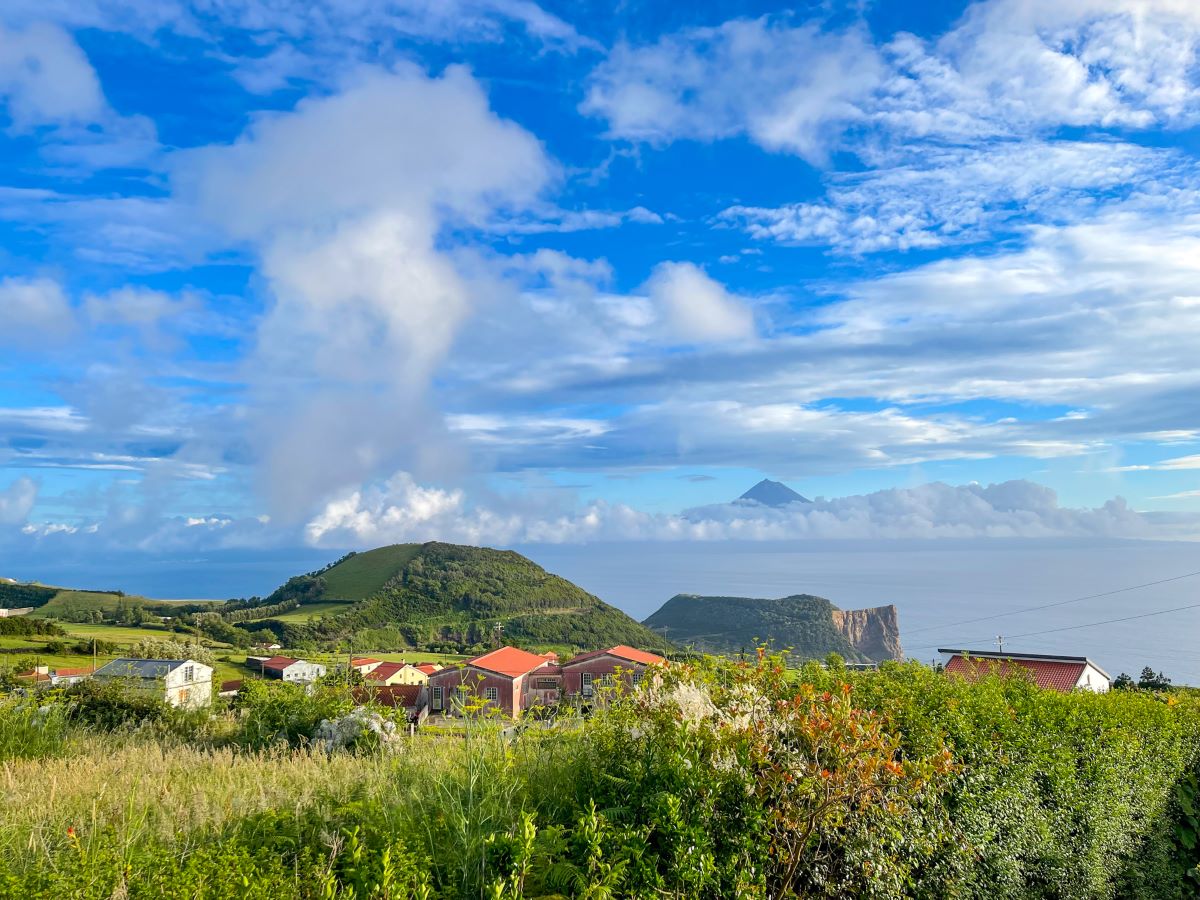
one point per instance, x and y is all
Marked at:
(637, 677)
(492, 695)
(183, 696)
(585, 686)
(189, 673)
(606, 680)
(437, 696)
(547, 684)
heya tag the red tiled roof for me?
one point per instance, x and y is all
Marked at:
(509, 661)
(428, 668)
(278, 662)
(1055, 675)
(363, 661)
(384, 671)
(235, 685)
(403, 695)
(622, 651)
(73, 673)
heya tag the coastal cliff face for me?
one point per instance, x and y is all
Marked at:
(809, 627)
(875, 633)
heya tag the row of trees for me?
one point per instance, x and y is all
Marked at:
(1149, 681)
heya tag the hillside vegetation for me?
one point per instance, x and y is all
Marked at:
(435, 592)
(802, 622)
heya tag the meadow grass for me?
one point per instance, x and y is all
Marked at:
(365, 574)
(127, 791)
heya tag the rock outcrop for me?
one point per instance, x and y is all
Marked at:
(875, 633)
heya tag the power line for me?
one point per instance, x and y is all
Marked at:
(1017, 612)
(1160, 612)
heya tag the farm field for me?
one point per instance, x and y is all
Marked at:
(308, 611)
(119, 633)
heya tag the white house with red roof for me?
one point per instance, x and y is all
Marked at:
(1055, 673)
(364, 664)
(509, 679)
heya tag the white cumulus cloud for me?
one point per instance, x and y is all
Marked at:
(696, 307)
(345, 200)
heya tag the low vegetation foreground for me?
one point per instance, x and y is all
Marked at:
(708, 779)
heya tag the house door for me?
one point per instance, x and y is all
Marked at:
(436, 700)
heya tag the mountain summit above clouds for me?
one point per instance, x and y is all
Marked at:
(773, 493)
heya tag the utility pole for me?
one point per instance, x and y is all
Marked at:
(1000, 642)
(499, 628)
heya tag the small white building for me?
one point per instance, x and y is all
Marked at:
(63, 677)
(298, 671)
(180, 682)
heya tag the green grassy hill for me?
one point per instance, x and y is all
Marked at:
(365, 574)
(438, 592)
(802, 622)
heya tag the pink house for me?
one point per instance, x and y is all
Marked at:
(585, 673)
(509, 679)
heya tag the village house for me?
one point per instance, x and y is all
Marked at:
(296, 671)
(64, 677)
(44, 675)
(38, 675)
(1056, 673)
(180, 682)
(390, 673)
(411, 698)
(582, 675)
(364, 664)
(508, 679)
(230, 688)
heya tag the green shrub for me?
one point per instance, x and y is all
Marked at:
(272, 713)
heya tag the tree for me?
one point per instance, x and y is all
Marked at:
(1124, 683)
(1153, 682)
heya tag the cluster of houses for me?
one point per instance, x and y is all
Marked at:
(507, 680)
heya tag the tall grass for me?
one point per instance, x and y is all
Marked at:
(139, 789)
(29, 730)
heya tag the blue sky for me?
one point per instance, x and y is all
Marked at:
(337, 273)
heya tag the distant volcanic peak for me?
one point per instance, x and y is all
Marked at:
(773, 493)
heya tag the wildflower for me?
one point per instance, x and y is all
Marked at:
(70, 831)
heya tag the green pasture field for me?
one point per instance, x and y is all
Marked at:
(308, 611)
(365, 574)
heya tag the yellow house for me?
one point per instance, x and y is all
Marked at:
(390, 673)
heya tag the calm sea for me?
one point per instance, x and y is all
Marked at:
(934, 585)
